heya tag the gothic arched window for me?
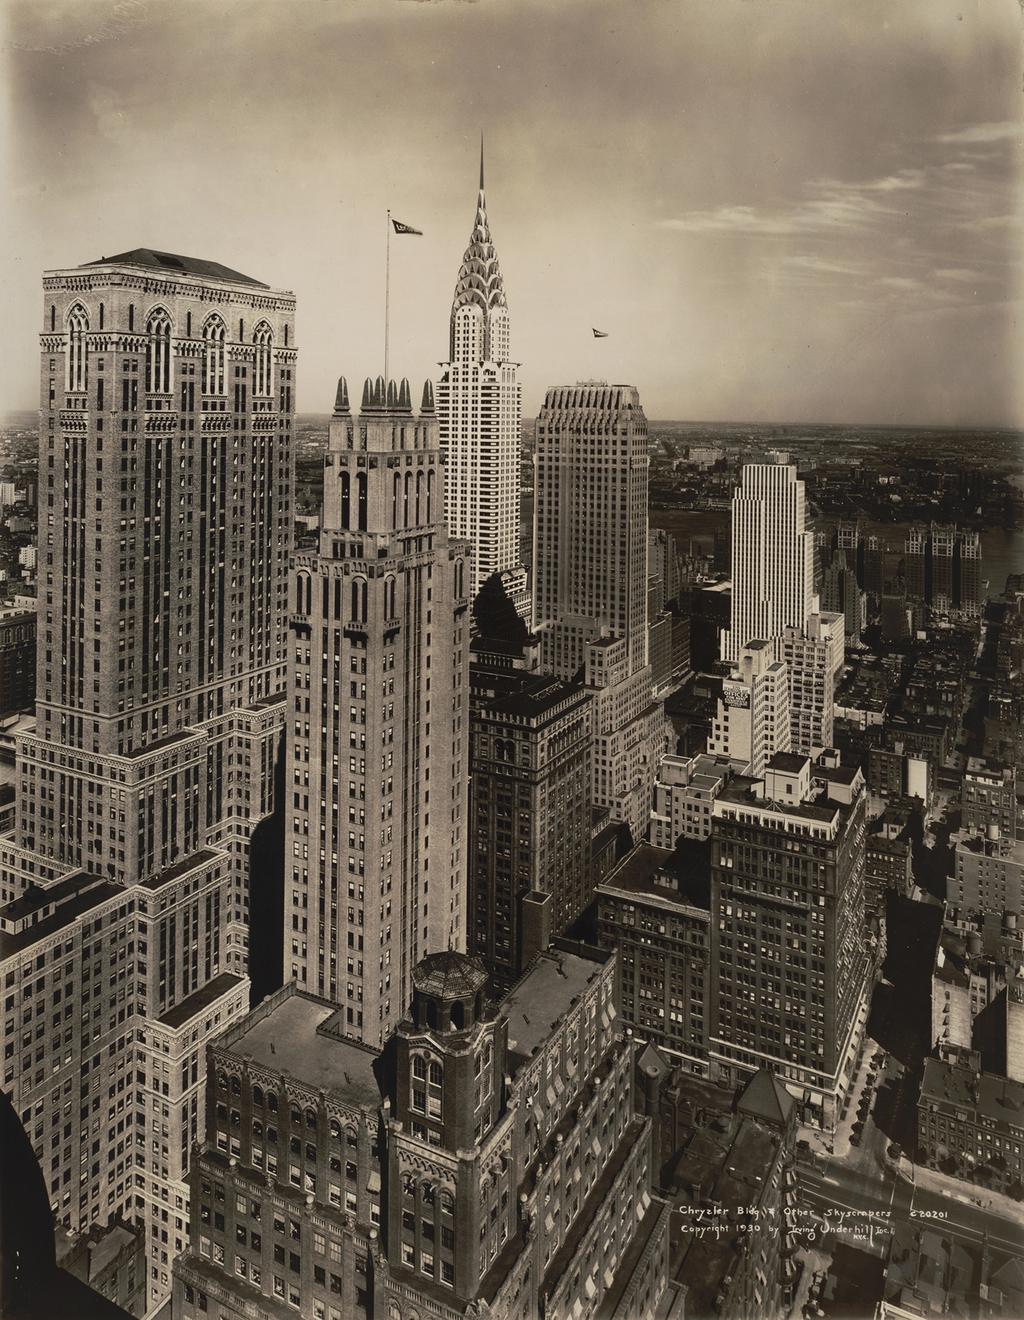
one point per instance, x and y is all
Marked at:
(346, 485)
(361, 495)
(78, 325)
(158, 352)
(430, 495)
(389, 597)
(214, 336)
(302, 593)
(359, 600)
(263, 338)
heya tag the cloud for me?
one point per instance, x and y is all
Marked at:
(900, 182)
(958, 273)
(830, 204)
(987, 222)
(902, 284)
(1006, 130)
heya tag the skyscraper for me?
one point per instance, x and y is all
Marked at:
(590, 523)
(378, 751)
(590, 580)
(789, 965)
(772, 557)
(164, 458)
(752, 721)
(530, 806)
(814, 661)
(479, 410)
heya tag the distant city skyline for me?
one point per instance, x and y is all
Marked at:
(766, 206)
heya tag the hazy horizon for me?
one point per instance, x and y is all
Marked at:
(776, 210)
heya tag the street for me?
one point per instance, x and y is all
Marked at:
(831, 1183)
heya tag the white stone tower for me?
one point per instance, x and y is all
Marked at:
(479, 412)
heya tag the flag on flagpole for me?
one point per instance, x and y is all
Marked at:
(600, 334)
(405, 229)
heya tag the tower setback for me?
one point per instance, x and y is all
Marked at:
(165, 515)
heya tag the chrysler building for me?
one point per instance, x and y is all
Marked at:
(479, 410)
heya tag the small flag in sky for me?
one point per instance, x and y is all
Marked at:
(405, 229)
(600, 334)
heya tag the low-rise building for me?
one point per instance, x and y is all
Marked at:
(971, 1124)
(726, 1158)
(965, 981)
(930, 1273)
(111, 1260)
(988, 876)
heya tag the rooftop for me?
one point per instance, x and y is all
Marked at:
(190, 863)
(657, 873)
(92, 895)
(200, 1001)
(544, 995)
(529, 695)
(449, 975)
(766, 1097)
(150, 259)
(288, 1039)
(985, 1093)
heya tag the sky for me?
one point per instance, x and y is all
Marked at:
(779, 210)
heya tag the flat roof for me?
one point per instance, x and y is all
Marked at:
(637, 872)
(190, 863)
(519, 692)
(544, 995)
(68, 912)
(201, 1000)
(985, 1093)
(288, 1040)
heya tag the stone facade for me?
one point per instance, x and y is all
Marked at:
(491, 1159)
(375, 850)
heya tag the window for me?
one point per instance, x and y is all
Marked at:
(435, 1079)
(263, 338)
(158, 352)
(78, 325)
(214, 335)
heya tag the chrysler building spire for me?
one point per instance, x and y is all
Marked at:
(479, 408)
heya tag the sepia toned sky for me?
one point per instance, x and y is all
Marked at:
(780, 210)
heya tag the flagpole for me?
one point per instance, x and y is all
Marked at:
(387, 296)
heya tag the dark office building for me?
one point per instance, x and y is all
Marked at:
(17, 660)
(657, 915)
(531, 743)
(789, 962)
